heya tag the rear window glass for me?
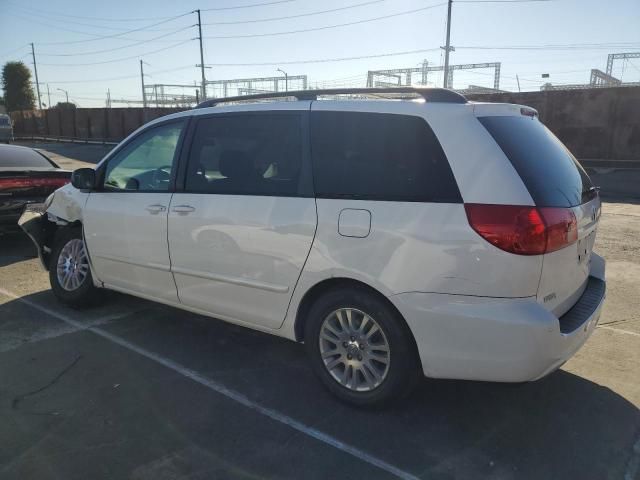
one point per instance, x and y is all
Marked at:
(4, 121)
(375, 156)
(550, 172)
(12, 156)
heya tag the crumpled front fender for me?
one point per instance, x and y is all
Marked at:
(40, 230)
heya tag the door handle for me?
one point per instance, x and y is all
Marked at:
(183, 209)
(155, 209)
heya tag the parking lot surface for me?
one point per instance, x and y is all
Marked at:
(132, 389)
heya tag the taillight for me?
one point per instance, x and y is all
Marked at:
(562, 227)
(28, 182)
(523, 230)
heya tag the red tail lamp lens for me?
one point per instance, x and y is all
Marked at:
(523, 230)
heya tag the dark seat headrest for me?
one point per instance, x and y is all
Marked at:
(236, 165)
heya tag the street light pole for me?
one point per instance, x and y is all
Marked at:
(447, 47)
(286, 79)
(65, 92)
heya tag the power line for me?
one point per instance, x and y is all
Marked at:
(326, 27)
(94, 52)
(115, 35)
(252, 5)
(575, 46)
(323, 60)
(502, 1)
(287, 17)
(103, 19)
(50, 18)
(124, 77)
(10, 52)
(118, 59)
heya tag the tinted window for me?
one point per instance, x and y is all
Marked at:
(550, 172)
(379, 157)
(146, 162)
(14, 156)
(246, 155)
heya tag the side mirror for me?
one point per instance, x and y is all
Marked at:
(84, 178)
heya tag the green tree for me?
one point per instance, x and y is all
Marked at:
(65, 105)
(16, 83)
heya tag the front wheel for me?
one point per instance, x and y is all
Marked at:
(361, 348)
(69, 272)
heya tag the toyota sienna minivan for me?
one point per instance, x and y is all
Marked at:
(418, 235)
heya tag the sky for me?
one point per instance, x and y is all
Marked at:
(87, 48)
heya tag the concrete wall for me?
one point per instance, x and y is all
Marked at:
(597, 123)
(601, 123)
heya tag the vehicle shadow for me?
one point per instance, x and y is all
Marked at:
(561, 427)
(15, 247)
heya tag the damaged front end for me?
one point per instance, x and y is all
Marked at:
(35, 223)
(41, 221)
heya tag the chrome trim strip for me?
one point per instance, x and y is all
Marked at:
(155, 266)
(232, 280)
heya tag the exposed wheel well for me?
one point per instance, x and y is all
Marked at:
(49, 237)
(321, 288)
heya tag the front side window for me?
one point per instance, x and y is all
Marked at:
(246, 155)
(146, 163)
(379, 156)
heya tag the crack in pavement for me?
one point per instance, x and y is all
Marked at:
(16, 401)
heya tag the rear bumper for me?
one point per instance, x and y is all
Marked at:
(499, 339)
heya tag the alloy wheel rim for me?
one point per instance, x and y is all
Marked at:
(354, 349)
(73, 265)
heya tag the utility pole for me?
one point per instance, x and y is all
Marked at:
(204, 81)
(48, 96)
(35, 70)
(518, 80)
(144, 98)
(108, 98)
(447, 47)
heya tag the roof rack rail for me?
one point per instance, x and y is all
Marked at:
(437, 95)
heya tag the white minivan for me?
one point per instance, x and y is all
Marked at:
(419, 234)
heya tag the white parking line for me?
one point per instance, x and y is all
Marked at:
(620, 330)
(40, 336)
(221, 389)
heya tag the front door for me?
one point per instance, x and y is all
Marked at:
(241, 231)
(125, 221)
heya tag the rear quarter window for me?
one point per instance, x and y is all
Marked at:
(375, 156)
(550, 172)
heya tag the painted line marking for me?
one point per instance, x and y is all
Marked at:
(223, 390)
(619, 330)
(65, 330)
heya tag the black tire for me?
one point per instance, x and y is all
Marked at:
(86, 293)
(404, 366)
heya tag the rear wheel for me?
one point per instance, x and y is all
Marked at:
(69, 272)
(360, 347)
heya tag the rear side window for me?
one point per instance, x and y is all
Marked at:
(550, 172)
(373, 156)
(246, 155)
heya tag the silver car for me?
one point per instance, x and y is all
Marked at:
(6, 128)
